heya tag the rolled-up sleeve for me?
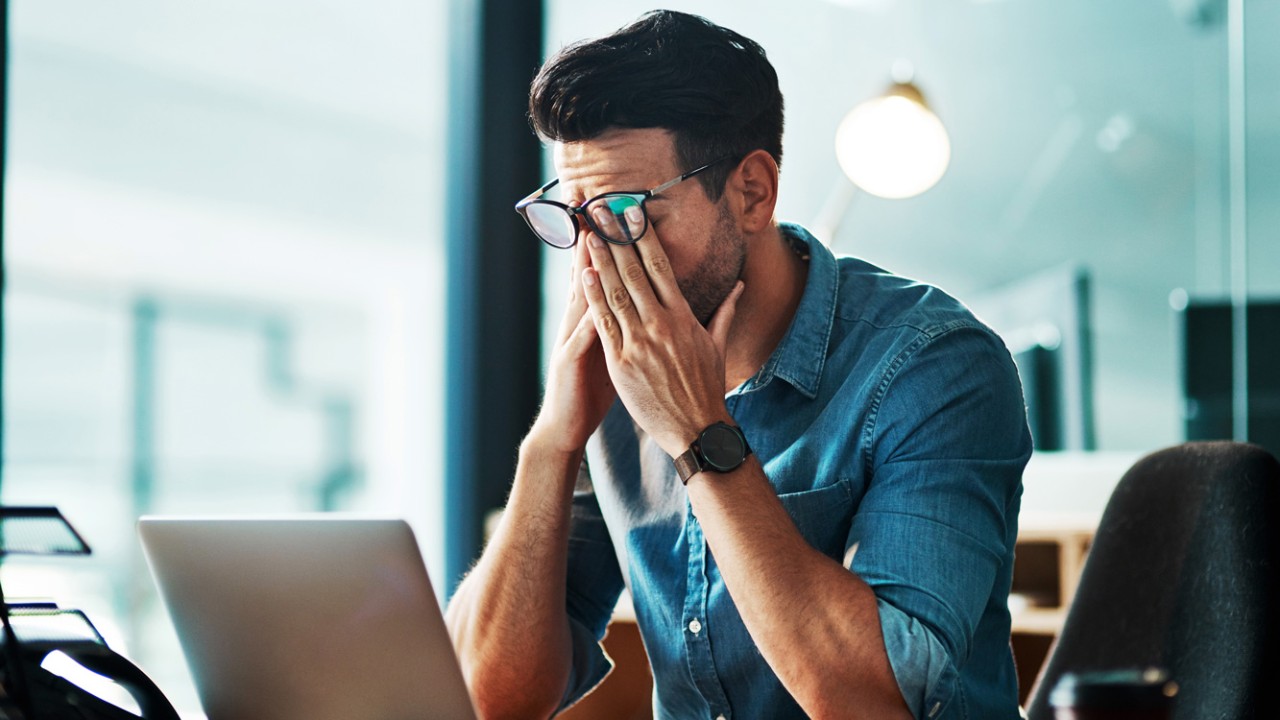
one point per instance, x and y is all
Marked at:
(947, 443)
(594, 584)
(923, 667)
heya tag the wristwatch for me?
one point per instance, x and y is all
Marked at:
(721, 447)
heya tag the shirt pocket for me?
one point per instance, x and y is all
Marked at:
(823, 516)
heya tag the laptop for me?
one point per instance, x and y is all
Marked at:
(314, 616)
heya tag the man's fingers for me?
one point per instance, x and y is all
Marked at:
(606, 323)
(723, 318)
(582, 336)
(575, 301)
(623, 294)
(657, 268)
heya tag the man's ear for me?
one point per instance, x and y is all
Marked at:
(753, 190)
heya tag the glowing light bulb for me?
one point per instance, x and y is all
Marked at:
(892, 146)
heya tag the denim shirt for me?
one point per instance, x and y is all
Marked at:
(891, 424)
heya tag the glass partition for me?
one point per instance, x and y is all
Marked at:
(1087, 137)
(225, 285)
(1112, 188)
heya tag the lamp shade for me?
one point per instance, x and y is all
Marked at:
(893, 146)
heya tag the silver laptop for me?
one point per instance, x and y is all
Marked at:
(315, 617)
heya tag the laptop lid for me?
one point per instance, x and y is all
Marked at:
(320, 616)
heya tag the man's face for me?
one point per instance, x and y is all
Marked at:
(700, 238)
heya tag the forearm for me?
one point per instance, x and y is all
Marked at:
(815, 622)
(508, 619)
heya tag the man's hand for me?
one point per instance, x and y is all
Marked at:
(507, 619)
(667, 368)
(578, 392)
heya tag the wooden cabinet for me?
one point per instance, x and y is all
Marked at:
(1049, 556)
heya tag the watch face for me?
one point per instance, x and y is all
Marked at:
(722, 447)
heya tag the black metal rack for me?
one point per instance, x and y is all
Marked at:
(33, 531)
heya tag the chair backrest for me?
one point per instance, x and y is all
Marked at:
(1184, 573)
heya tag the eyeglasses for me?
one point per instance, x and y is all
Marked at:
(618, 217)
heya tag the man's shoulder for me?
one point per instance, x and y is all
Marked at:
(878, 299)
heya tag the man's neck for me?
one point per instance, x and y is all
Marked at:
(775, 277)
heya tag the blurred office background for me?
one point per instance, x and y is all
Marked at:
(227, 238)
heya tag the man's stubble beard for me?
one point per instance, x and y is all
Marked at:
(714, 278)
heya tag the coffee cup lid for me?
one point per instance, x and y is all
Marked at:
(1130, 688)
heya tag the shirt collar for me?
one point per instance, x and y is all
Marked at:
(800, 356)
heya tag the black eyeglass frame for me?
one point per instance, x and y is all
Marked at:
(573, 212)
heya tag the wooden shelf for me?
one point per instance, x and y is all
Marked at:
(1049, 556)
(1039, 621)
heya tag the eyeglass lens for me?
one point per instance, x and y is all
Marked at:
(617, 218)
(620, 219)
(552, 223)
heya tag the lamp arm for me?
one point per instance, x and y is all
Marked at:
(831, 216)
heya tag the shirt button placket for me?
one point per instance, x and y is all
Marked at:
(694, 629)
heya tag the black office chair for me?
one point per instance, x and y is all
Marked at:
(1184, 574)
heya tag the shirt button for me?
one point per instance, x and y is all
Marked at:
(695, 627)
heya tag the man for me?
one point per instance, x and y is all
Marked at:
(805, 470)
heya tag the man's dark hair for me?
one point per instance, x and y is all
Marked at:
(713, 88)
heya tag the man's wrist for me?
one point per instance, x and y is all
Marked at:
(545, 448)
(676, 441)
(721, 447)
